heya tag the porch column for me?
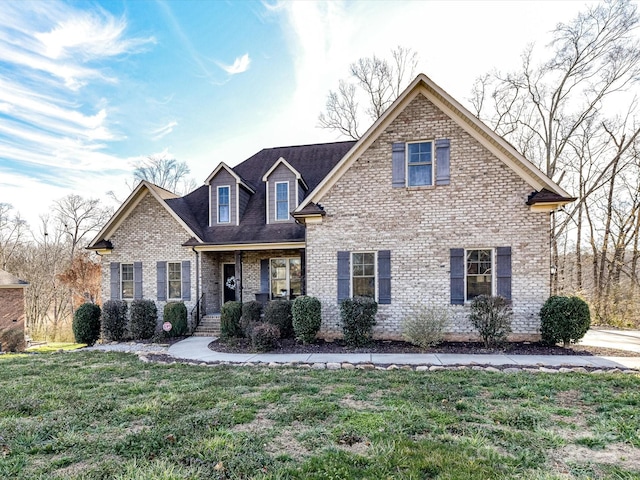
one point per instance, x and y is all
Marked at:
(238, 276)
(303, 271)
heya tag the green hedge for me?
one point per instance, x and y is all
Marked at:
(230, 314)
(86, 323)
(358, 317)
(564, 319)
(114, 320)
(176, 314)
(307, 318)
(144, 319)
(278, 313)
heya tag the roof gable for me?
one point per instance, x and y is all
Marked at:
(10, 281)
(239, 180)
(423, 85)
(144, 188)
(282, 161)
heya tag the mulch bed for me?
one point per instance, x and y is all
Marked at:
(386, 346)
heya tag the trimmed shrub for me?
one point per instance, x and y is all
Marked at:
(12, 340)
(491, 317)
(176, 314)
(564, 319)
(230, 314)
(251, 313)
(144, 319)
(264, 337)
(114, 320)
(424, 326)
(86, 323)
(278, 313)
(358, 317)
(307, 318)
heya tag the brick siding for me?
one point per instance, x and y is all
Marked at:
(483, 207)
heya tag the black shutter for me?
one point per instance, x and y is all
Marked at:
(384, 277)
(344, 275)
(114, 280)
(137, 280)
(443, 173)
(503, 276)
(264, 275)
(457, 276)
(398, 167)
(186, 280)
(161, 268)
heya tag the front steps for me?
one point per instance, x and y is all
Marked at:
(209, 326)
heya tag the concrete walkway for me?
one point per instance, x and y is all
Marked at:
(196, 349)
(609, 338)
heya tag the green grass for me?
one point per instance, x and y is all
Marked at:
(54, 347)
(95, 415)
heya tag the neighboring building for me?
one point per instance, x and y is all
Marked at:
(12, 303)
(428, 207)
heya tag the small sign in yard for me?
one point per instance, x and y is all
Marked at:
(166, 326)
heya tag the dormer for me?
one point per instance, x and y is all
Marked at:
(285, 188)
(228, 196)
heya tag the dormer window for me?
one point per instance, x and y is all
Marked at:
(282, 200)
(224, 206)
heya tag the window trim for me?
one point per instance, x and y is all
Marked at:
(275, 201)
(493, 271)
(287, 277)
(407, 177)
(228, 187)
(375, 271)
(133, 281)
(169, 297)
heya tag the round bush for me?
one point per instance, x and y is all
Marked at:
(564, 319)
(144, 319)
(358, 316)
(230, 314)
(176, 314)
(278, 313)
(86, 323)
(251, 316)
(264, 337)
(307, 318)
(114, 320)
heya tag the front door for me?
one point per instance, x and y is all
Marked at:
(229, 282)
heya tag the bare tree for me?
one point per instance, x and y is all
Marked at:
(377, 82)
(12, 232)
(555, 113)
(166, 173)
(79, 217)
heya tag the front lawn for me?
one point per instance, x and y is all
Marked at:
(95, 415)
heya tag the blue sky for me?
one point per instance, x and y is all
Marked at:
(88, 88)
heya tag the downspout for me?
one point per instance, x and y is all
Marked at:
(197, 283)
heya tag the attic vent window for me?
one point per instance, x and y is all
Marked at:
(420, 163)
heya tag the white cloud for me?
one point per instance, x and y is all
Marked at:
(163, 131)
(240, 65)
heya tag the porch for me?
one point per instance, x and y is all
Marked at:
(246, 275)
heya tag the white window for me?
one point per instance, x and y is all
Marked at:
(420, 164)
(224, 205)
(363, 274)
(282, 201)
(479, 273)
(174, 280)
(126, 281)
(286, 277)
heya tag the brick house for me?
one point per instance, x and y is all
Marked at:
(428, 207)
(12, 315)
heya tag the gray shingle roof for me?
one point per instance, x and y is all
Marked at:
(8, 280)
(313, 162)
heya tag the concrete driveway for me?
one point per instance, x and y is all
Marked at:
(610, 338)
